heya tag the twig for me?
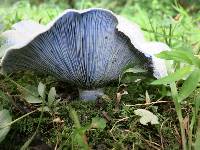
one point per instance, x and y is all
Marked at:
(118, 122)
(115, 125)
(152, 144)
(177, 135)
(161, 137)
(152, 103)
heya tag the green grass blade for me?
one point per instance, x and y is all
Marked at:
(189, 85)
(197, 139)
(179, 74)
(180, 56)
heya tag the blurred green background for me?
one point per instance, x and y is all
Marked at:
(154, 16)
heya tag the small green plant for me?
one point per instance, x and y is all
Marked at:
(39, 95)
(6, 120)
(78, 136)
(31, 96)
(41, 91)
(190, 74)
(48, 102)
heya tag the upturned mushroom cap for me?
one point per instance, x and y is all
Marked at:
(87, 48)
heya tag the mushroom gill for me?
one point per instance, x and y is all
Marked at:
(86, 48)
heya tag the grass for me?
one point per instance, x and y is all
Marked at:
(164, 21)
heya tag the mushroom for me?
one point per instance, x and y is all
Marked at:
(87, 48)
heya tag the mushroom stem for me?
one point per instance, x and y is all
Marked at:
(89, 95)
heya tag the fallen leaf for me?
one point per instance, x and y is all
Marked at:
(58, 120)
(146, 116)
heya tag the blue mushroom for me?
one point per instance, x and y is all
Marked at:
(86, 48)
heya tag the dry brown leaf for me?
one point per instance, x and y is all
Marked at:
(122, 90)
(106, 116)
(186, 124)
(58, 120)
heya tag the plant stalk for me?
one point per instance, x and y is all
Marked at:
(27, 143)
(77, 124)
(179, 113)
(191, 130)
(17, 119)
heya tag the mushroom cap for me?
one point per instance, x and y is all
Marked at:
(87, 48)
